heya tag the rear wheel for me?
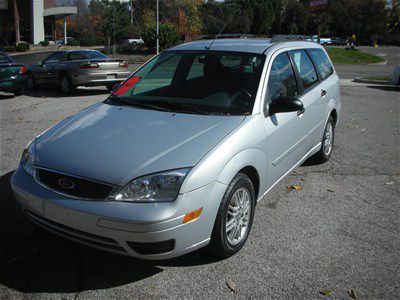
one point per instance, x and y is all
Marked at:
(234, 218)
(66, 85)
(325, 153)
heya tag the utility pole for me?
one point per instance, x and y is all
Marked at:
(114, 32)
(131, 12)
(157, 31)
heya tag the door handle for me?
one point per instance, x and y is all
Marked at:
(323, 93)
(301, 111)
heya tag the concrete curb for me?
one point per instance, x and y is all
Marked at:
(384, 63)
(386, 83)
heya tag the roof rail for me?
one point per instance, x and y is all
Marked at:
(228, 36)
(290, 37)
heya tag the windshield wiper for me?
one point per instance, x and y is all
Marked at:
(141, 104)
(181, 107)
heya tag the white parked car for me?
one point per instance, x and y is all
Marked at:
(138, 41)
(395, 76)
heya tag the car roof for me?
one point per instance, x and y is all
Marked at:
(250, 45)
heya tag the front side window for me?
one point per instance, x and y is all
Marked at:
(306, 69)
(322, 62)
(281, 81)
(55, 58)
(204, 82)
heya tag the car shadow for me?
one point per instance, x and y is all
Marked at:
(56, 92)
(391, 88)
(33, 260)
(6, 96)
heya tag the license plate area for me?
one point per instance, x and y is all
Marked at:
(6, 84)
(111, 76)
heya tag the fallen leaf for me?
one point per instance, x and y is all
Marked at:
(294, 187)
(231, 285)
(296, 172)
(362, 130)
(330, 190)
(326, 292)
(389, 183)
(352, 294)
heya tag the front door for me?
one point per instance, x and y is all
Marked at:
(286, 132)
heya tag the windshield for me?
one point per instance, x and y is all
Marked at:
(4, 59)
(201, 82)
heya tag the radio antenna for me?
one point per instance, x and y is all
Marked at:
(223, 28)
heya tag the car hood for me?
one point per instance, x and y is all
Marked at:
(115, 144)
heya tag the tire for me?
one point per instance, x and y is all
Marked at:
(31, 81)
(17, 92)
(325, 153)
(66, 85)
(226, 243)
(110, 87)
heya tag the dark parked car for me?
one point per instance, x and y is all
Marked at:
(339, 41)
(73, 68)
(12, 75)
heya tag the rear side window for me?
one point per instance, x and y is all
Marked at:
(76, 56)
(305, 67)
(322, 62)
(55, 58)
(282, 81)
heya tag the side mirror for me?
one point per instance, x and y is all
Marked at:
(286, 104)
(115, 87)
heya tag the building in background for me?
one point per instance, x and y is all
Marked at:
(34, 20)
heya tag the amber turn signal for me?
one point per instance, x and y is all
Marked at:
(193, 215)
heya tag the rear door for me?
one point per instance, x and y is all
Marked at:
(328, 87)
(286, 132)
(310, 94)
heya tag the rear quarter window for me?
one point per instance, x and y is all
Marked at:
(324, 66)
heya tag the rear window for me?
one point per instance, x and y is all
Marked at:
(322, 62)
(81, 55)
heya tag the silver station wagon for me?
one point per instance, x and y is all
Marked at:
(178, 156)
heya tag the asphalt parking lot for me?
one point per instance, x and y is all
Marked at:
(341, 231)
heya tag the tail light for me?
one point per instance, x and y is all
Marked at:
(22, 70)
(123, 65)
(89, 66)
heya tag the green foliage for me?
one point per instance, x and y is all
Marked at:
(351, 57)
(94, 40)
(9, 49)
(22, 47)
(149, 19)
(169, 36)
(44, 43)
(73, 43)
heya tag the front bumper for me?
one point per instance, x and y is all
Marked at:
(121, 227)
(12, 83)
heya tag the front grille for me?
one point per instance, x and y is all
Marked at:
(73, 186)
(75, 234)
(152, 248)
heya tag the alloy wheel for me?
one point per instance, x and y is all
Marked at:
(238, 216)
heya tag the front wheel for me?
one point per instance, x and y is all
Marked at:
(17, 92)
(234, 218)
(31, 81)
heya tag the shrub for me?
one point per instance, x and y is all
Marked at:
(9, 49)
(44, 43)
(73, 43)
(107, 50)
(22, 47)
(92, 41)
(169, 36)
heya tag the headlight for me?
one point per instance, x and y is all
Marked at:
(158, 187)
(28, 158)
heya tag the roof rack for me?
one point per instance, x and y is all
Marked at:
(229, 36)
